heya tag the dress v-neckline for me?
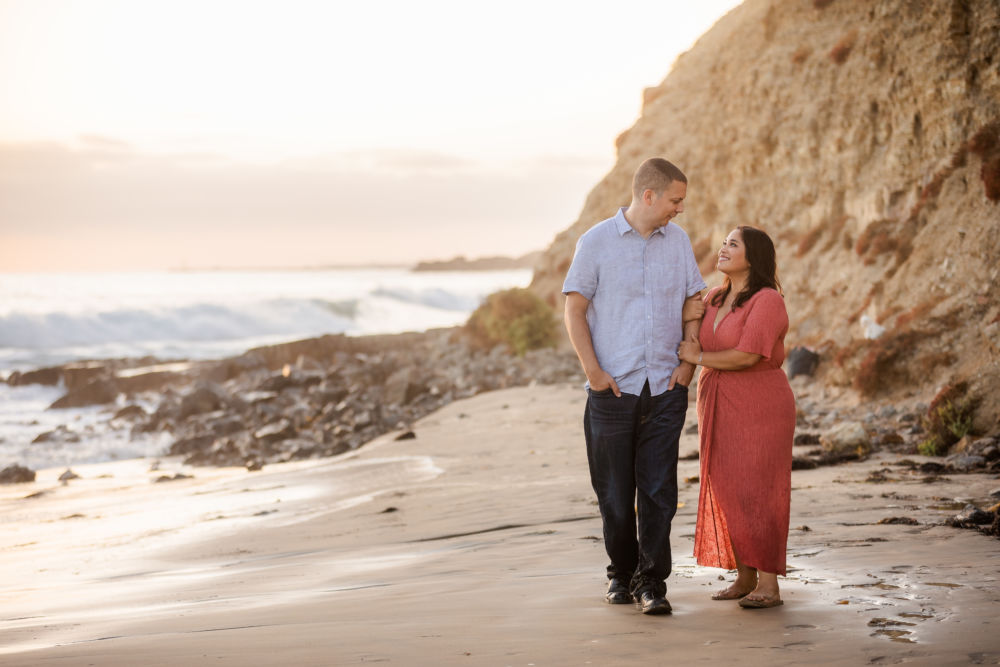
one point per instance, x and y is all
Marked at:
(718, 320)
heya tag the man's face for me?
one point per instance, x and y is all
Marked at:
(669, 203)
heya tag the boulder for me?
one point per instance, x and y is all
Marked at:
(76, 376)
(205, 397)
(47, 376)
(970, 516)
(130, 412)
(226, 425)
(232, 368)
(295, 378)
(97, 392)
(276, 431)
(223, 452)
(61, 433)
(972, 446)
(136, 383)
(892, 438)
(16, 474)
(963, 462)
(846, 438)
(801, 361)
(403, 387)
(188, 446)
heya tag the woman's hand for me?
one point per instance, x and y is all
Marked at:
(694, 309)
(689, 351)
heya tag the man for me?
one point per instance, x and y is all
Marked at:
(625, 292)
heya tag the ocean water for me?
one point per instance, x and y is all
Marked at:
(52, 318)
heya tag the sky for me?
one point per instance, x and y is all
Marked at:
(152, 134)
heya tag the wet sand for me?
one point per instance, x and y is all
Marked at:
(476, 543)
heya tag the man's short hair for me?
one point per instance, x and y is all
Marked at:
(655, 174)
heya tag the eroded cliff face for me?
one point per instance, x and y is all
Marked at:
(863, 137)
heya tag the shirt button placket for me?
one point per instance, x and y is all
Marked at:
(648, 303)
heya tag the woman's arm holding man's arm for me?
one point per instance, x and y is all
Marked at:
(691, 314)
(723, 360)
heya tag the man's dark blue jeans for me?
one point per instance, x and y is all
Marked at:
(632, 451)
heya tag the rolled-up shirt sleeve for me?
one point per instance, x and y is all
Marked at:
(582, 274)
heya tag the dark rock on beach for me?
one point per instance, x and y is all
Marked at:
(16, 474)
(899, 520)
(803, 463)
(971, 516)
(848, 438)
(326, 396)
(806, 439)
(130, 413)
(171, 478)
(95, 392)
(801, 361)
(45, 376)
(61, 433)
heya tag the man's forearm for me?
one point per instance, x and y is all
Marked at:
(691, 329)
(583, 344)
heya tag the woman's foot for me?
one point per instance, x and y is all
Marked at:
(766, 593)
(746, 581)
(757, 600)
(734, 592)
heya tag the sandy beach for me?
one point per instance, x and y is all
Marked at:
(477, 543)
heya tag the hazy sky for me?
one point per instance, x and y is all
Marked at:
(154, 134)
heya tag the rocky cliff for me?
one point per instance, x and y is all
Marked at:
(863, 136)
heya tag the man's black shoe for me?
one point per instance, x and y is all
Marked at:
(650, 603)
(617, 593)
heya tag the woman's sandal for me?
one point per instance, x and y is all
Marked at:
(760, 603)
(730, 594)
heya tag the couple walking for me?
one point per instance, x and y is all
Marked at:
(639, 324)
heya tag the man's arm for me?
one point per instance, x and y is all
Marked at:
(575, 316)
(684, 372)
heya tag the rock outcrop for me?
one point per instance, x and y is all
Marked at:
(864, 137)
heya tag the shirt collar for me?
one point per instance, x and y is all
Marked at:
(621, 224)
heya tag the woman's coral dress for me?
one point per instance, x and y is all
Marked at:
(746, 422)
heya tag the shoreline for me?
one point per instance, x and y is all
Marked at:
(487, 552)
(301, 399)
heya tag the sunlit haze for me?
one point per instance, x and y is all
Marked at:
(156, 134)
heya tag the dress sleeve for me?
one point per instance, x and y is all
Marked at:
(765, 325)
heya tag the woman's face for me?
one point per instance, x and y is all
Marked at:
(733, 255)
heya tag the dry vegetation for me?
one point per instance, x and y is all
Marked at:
(517, 318)
(948, 420)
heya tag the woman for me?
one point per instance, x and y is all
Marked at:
(746, 422)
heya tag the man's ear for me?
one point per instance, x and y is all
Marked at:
(647, 196)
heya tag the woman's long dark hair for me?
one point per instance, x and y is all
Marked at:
(763, 267)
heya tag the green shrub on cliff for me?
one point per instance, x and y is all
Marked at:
(516, 317)
(948, 420)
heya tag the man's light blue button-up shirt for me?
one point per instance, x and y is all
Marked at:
(636, 288)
